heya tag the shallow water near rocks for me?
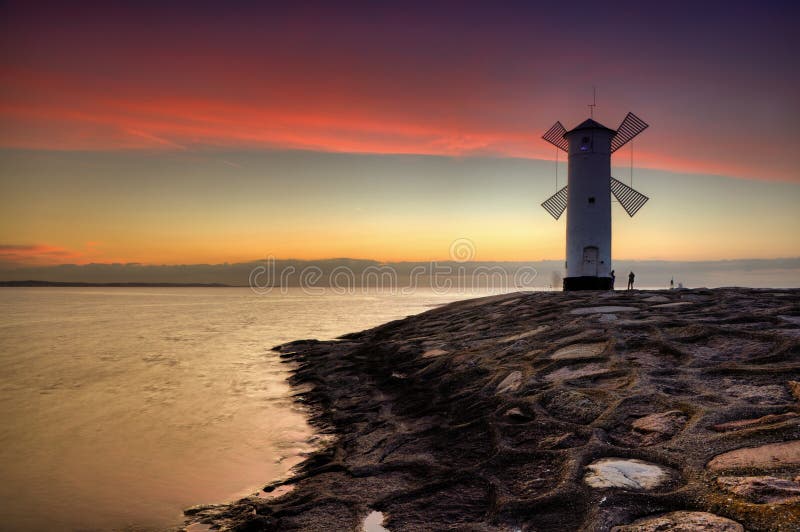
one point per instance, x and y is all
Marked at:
(122, 406)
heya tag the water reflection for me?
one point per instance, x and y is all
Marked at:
(122, 406)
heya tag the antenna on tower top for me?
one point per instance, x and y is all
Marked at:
(594, 102)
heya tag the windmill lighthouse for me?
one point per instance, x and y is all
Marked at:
(587, 197)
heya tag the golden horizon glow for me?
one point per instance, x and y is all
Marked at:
(238, 208)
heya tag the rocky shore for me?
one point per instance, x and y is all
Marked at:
(595, 411)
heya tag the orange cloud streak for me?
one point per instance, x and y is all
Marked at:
(49, 255)
(51, 112)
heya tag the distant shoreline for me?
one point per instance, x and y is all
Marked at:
(13, 284)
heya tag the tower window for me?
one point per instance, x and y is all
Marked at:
(591, 200)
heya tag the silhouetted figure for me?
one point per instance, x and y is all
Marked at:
(631, 277)
(672, 284)
(613, 278)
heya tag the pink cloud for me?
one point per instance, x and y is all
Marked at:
(15, 255)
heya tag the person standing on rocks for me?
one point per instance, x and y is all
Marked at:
(631, 277)
(613, 278)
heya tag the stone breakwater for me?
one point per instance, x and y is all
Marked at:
(596, 411)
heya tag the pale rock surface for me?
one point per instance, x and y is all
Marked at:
(431, 353)
(753, 422)
(768, 456)
(521, 336)
(762, 489)
(682, 522)
(579, 351)
(511, 383)
(627, 473)
(569, 373)
(515, 413)
(673, 305)
(667, 423)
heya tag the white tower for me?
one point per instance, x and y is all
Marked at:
(587, 197)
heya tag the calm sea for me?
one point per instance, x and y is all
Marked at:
(119, 407)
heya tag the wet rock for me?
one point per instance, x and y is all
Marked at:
(682, 522)
(627, 473)
(664, 423)
(693, 297)
(516, 414)
(656, 299)
(583, 337)
(198, 527)
(511, 383)
(641, 429)
(576, 351)
(432, 353)
(770, 456)
(602, 310)
(762, 489)
(754, 422)
(673, 305)
(579, 372)
(607, 318)
(203, 508)
(795, 320)
(522, 336)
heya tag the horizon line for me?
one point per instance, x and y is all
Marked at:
(10, 267)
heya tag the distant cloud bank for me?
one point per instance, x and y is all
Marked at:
(346, 274)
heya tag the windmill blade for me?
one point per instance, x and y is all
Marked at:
(557, 203)
(631, 126)
(630, 199)
(555, 136)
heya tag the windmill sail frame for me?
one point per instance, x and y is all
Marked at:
(631, 126)
(630, 199)
(555, 136)
(556, 204)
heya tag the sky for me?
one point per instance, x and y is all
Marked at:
(200, 132)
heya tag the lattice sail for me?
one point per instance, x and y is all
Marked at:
(555, 136)
(631, 126)
(630, 199)
(557, 203)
